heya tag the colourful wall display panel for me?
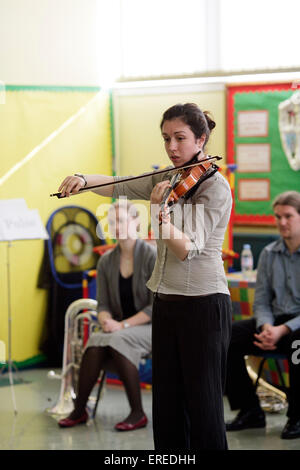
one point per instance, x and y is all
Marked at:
(47, 133)
(254, 144)
(242, 296)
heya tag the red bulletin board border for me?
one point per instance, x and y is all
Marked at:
(231, 90)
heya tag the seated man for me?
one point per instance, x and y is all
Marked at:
(276, 322)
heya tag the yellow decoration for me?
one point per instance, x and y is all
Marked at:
(83, 145)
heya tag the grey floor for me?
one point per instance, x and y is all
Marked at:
(33, 429)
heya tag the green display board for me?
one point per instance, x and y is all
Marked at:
(254, 145)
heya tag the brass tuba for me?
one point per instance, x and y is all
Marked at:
(80, 322)
(271, 398)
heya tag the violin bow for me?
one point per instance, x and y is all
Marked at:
(144, 175)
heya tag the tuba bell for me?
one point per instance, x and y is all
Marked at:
(271, 398)
(80, 322)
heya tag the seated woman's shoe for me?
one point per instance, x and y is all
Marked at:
(68, 422)
(131, 427)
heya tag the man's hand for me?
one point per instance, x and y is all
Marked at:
(270, 336)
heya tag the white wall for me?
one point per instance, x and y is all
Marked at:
(56, 42)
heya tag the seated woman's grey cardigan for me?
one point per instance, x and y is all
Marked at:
(134, 342)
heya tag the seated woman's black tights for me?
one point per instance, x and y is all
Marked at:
(91, 365)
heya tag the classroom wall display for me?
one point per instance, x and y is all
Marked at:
(47, 132)
(254, 144)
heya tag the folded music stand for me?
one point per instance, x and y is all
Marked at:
(17, 223)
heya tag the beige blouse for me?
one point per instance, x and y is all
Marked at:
(203, 218)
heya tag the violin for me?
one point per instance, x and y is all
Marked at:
(186, 180)
(180, 180)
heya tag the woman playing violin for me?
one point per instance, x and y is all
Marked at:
(191, 323)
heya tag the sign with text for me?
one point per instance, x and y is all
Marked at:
(253, 123)
(254, 189)
(17, 222)
(253, 158)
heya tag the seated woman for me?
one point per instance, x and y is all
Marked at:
(124, 313)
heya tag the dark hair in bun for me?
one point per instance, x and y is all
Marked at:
(200, 122)
(210, 122)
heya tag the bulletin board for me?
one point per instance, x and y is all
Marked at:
(254, 145)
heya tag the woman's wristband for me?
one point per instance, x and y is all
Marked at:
(83, 177)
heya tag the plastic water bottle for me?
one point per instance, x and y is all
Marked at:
(246, 261)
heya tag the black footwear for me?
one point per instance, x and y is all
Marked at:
(291, 430)
(247, 419)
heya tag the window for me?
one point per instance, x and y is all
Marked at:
(169, 38)
(259, 34)
(163, 37)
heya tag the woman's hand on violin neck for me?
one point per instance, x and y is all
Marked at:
(71, 184)
(158, 192)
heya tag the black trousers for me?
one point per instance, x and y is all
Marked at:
(189, 348)
(239, 387)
